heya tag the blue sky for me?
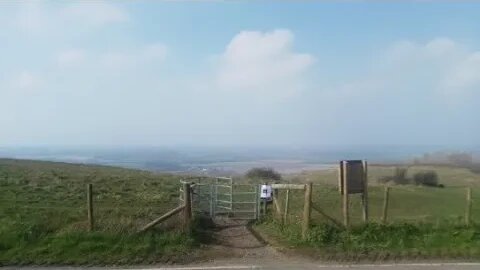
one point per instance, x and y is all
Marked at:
(239, 73)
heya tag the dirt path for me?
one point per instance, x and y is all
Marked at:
(233, 238)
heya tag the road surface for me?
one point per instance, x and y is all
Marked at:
(228, 265)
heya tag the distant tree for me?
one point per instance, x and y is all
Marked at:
(429, 178)
(385, 179)
(400, 176)
(264, 173)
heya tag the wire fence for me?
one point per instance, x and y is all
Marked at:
(125, 207)
(406, 204)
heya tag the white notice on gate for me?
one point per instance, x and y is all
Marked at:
(266, 192)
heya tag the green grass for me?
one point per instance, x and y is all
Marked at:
(43, 218)
(406, 204)
(450, 176)
(376, 242)
(423, 222)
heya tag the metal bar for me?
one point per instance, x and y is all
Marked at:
(225, 186)
(258, 203)
(239, 211)
(288, 186)
(255, 207)
(244, 202)
(222, 201)
(241, 218)
(216, 195)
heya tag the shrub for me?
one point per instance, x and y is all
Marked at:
(400, 176)
(385, 179)
(264, 173)
(429, 178)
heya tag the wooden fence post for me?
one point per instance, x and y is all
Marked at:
(264, 207)
(346, 215)
(468, 210)
(276, 206)
(365, 192)
(163, 218)
(307, 209)
(187, 211)
(231, 196)
(287, 202)
(90, 207)
(385, 205)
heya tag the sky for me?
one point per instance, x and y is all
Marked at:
(239, 73)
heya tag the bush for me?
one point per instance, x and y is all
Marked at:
(264, 173)
(385, 179)
(429, 178)
(400, 177)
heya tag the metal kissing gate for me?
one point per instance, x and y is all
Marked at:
(220, 196)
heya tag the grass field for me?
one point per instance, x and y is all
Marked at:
(43, 217)
(372, 242)
(407, 203)
(43, 214)
(450, 176)
(423, 222)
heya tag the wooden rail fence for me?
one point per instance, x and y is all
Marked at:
(186, 208)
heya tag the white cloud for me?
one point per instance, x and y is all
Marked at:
(155, 51)
(117, 60)
(262, 63)
(25, 81)
(31, 17)
(71, 57)
(38, 17)
(464, 76)
(440, 68)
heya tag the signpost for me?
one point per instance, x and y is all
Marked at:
(353, 180)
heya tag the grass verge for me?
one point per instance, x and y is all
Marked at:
(379, 242)
(22, 244)
(43, 217)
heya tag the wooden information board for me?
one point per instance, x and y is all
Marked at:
(352, 179)
(353, 175)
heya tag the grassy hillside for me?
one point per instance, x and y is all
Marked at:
(407, 202)
(43, 217)
(423, 222)
(43, 214)
(410, 204)
(450, 176)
